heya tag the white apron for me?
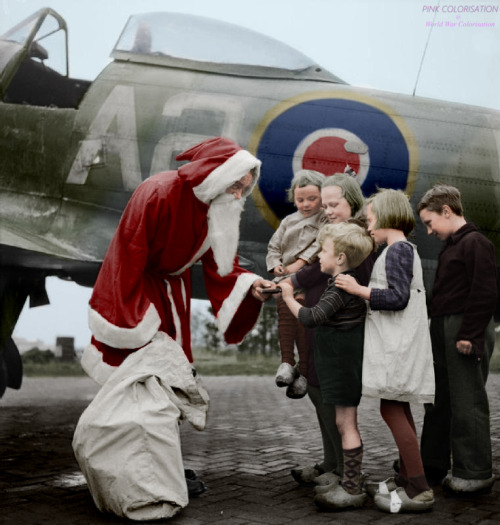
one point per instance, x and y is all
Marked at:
(397, 361)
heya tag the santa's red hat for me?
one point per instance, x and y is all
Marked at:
(216, 164)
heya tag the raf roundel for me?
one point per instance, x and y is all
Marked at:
(332, 151)
(328, 133)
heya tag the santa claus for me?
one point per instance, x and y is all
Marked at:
(173, 220)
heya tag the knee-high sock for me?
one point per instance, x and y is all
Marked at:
(291, 332)
(351, 479)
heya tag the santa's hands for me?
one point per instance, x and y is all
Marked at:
(259, 285)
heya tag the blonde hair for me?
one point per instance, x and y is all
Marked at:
(348, 238)
(351, 190)
(302, 179)
(392, 210)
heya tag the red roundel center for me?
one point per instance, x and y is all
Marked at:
(328, 156)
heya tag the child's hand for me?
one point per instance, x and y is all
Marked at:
(349, 284)
(463, 347)
(279, 271)
(346, 283)
(287, 295)
(286, 290)
(294, 267)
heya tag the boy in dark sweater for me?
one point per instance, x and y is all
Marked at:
(463, 300)
(338, 319)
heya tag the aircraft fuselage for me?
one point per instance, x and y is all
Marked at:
(72, 152)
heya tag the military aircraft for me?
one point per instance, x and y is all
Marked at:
(73, 151)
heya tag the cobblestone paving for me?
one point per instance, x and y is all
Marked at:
(254, 436)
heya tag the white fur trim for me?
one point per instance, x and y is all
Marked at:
(232, 303)
(197, 256)
(130, 338)
(226, 174)
(94, 366)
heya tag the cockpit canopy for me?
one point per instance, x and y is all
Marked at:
(211, 45)
(34, 67)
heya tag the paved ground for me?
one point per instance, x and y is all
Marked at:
(254, 436)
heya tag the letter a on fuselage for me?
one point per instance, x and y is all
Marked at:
(119, 107)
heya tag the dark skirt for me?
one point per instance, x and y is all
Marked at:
(338, 359)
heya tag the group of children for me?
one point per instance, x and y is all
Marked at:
(372, 338)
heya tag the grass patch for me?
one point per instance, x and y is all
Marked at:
(207, 363)
(234, 363)
(53, 369)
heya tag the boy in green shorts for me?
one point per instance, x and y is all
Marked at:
(338, 319)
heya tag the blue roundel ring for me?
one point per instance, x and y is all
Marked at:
(278, 142)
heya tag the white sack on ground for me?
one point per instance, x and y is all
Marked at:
(127, 441)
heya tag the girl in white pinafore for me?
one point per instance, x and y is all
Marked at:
(397, 360)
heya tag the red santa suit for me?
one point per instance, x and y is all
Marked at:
(144, 284)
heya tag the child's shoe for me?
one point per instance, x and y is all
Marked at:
(326, 482)
(398, 501)
(306, 475)
(338, 498)
(194, 485)
(285, 375)
(327, 478)
(298, 388)
(383, 487)
(468, 486)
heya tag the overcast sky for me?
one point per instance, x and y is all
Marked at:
(378, 44)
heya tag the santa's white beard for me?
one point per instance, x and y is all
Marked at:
(224, 216)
